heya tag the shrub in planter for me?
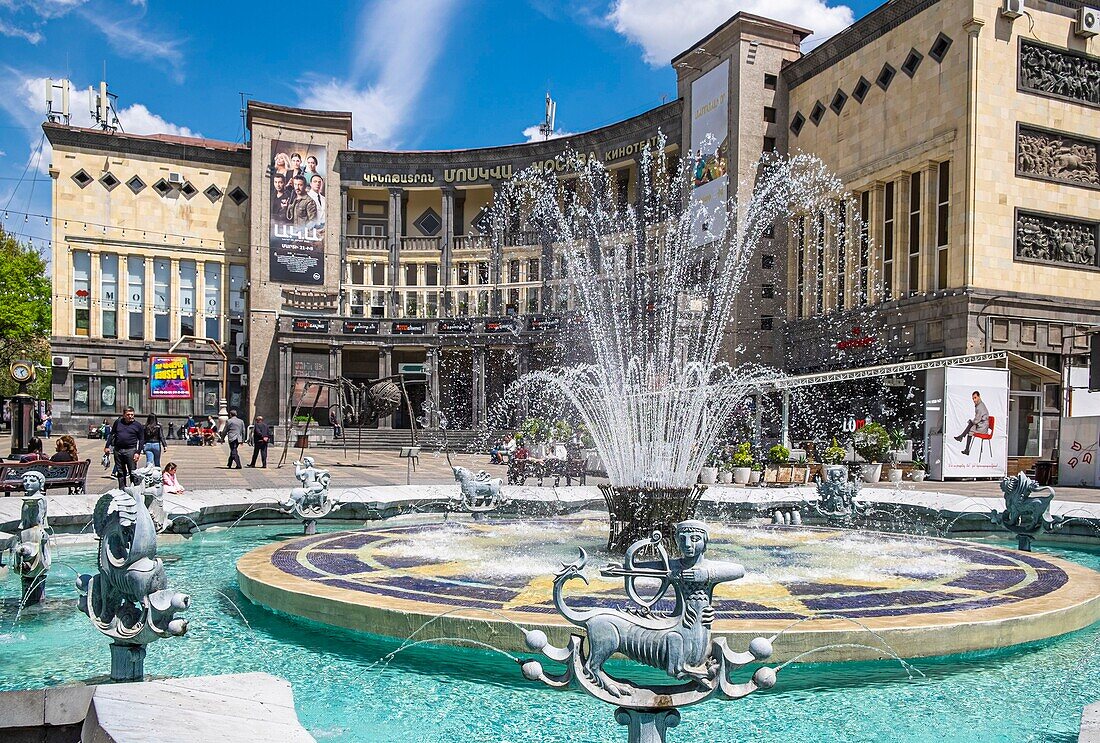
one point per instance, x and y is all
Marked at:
(779, 454)
(834, 453)
(741, 463)
(709, 474)
(917, 475)
(872, 442)
(755, 472)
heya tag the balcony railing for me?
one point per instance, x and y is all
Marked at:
(420, 243)
(365, 243)
(471, 242)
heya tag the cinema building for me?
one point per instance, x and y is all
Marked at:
(972, 165)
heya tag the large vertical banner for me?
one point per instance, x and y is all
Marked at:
(299, 196)
(710, 148)
(975, 422)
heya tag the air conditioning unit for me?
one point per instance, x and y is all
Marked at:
(1088, 22)
(60, 362)
(1012, 8)
(176, 179)
(236, 368)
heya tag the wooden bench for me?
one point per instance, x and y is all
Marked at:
(521, 469)
(71, 475)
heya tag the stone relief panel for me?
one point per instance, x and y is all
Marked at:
(1057, 157)
(1047, 239)
(1061, 73)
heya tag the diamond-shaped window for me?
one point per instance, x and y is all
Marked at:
(940, 47)
(429, 222)
(817, 113)
(862, 88)
(482, 222)
(82, 178)
(886, 76)
(797, 123)
(188, 190)
(839, 99)
(912, 62)
(109, 181)
(238, 195)
(162, 187)
(136, 184)
(213, 192)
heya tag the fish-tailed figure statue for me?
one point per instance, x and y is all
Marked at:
(677, 642)
(838, 497)
(311, 501)
(1025, 515)
(151, 480)
(128, 599)
(479, 492)
(30, 550)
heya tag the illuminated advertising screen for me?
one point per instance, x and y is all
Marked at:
(169, 378)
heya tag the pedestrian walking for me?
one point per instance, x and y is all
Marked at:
(155, 442)
(126, 437)
(47, 425)
(234, 434)
(261, 437)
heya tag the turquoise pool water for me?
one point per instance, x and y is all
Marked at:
(343, 693)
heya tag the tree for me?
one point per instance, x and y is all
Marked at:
(25, 313)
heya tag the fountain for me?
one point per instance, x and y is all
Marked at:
(677, 642)
(128, 600)
(1025, 515)
(837, 497)
(311, 501)
(30, 550)
(656, 288)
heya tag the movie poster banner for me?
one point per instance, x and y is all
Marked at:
(299, 197)
(169, 378)
(710, 148)
(975, 422)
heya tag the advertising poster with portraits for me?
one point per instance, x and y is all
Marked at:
(299, 198)
(710, 148)
(975, 422)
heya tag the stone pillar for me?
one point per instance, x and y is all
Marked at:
(285, 384)
(343, 298)
(902, 187)
(435, 382)
(150, 298)
(200, 307)
(878, 201)
(95, 300)
(480, 403)
(973, 28)
(174, 309)
(385, 370)
(929, 178)
(393, 270)
(446, 248)
(496, 262)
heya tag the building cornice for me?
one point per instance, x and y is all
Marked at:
(211, 152)
(306, 119)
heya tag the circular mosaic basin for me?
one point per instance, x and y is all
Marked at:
(874, 594)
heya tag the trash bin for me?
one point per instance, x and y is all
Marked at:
(303, 441)
(1044, 472)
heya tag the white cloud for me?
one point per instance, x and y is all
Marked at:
(19, 33)
(534, 135)
(664, 28)
(399, 43)
(129, 40)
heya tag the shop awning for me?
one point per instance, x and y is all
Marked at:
(1017, 363)
(891, 370)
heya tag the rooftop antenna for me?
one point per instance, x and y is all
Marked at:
(244, 115)
(103, 106)
(546, 128)
(57, 115)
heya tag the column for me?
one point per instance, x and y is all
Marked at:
(496, 261)
(929, 174)
(874, 265)
(149, 297)
(902, 187)
(973, 27)
(95, 300)
(284, 388)
(479, 405)
(384, 370)
(344, 299)
(435, 382)
(394, 230)
(446, 248)
(200, 304)
(174, 300)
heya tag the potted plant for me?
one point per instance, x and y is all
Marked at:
(833, 459)
(871, 443)
(897, 444)
(709, 474)
(756, 472)
(725, 473)
(778, 457)
(917, 475)
(779, 454)
(741, 463)
(536, 432)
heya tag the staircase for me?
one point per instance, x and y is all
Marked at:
(392, 439)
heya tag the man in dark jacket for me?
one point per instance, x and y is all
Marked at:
(127, 437)
(302, 211)
(261, 437)
(234, 433)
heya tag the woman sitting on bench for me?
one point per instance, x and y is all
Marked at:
(66, 450)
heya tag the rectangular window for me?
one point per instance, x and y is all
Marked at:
(82, 290)
(211, 392)
(357, 274)
(864, 245)
(431, 274)
(914, 233)
(767, 322)
(800, 245)
(410, 304)
(513, 272)
(769, 114)
(483, 273)
(513, 301)
(212, 299)
(378, 274)
(767, 261)
(767, 291)
(236, 290)
(532, 300)
(841, 254)
(888, 242)
(108, 394)
(187, 297)
(819, 294)
(943, 212)
(135, 297)
(378, 304)
(431, 306)
(135, 393)
(483, 303)
(770, 81)
(622, 186)
(410, 274)
(81, 390)
(464, 274)
(533, 268)
(463, 303)
(769, 144)
(162, 282)
(108, 294)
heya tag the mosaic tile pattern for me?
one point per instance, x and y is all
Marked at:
(791, 573)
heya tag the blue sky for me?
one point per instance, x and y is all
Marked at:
(417, 74)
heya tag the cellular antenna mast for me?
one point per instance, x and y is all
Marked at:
(57, 101)
(546, 128)
(103, 106)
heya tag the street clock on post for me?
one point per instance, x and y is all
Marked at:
(22, 371)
